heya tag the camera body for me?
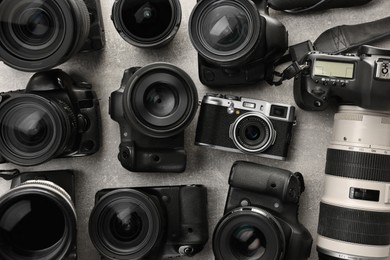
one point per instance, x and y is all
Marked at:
(60, 183)
(78, 101)
(360, 80)
(96, 38)
(259, 61)
(184, 210)
(144, 146)
(276, 191)
(220, 118)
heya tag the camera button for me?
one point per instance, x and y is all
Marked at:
(231, 97)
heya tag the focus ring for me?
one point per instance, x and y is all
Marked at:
(358, 165)
(355, 226)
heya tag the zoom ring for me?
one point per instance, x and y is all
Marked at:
(355, 226)
(358, 165)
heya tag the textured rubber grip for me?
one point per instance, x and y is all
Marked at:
(357, 165)
(355, 226)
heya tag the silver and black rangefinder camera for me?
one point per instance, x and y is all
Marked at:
(239, 124)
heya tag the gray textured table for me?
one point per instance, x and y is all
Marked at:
(205, 166)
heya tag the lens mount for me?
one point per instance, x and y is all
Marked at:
(126, 224)
(147, 24)
(37, 220)
(33, 129)
(36, 35)
(160, 100)
(225, 32)
(252, 132)
(248, 233)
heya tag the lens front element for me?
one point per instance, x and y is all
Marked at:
(248, 242)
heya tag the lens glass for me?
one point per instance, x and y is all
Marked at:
(28, 129)
(147, 19)
(225, 28)
(125, 222)
(248, 242)
(31, 222)
(31, 29)
(253, 133)
(161, 100)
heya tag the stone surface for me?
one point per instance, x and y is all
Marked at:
(205, 166)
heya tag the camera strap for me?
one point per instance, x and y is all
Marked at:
(9, 174)
(339, 39)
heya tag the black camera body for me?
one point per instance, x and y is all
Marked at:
(257, 63)
(362, 80)
(151, 142)
(273, 195)
(96, 38)
(183, 212)
(224, 121)
(58, 185)
(76, 101)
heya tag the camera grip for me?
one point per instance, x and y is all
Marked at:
(307, 95)
(139, 159)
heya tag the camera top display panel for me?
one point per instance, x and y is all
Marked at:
(234, 104)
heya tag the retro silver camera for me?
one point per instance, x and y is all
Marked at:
(245, 125)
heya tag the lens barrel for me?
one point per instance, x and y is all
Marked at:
(354, 210)
(248, 233)
(126, 224)
(160, 100)
(36, 35)
(34, 129)
(225, 32)
(37, 221)
(147, 24)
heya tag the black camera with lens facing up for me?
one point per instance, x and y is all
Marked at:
(360, 79)
(261, 216)
(149, 222)
(237, 41)
(147, 24)
(153, 107)
(37, 35)
(239, 124)
(53, 117)
(38, 217)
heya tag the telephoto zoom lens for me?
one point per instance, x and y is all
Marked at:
(147, 24)
(354, 221)
(36, 35)
(37, 222)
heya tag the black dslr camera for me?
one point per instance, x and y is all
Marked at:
(153, 107)
(38, 35)
(261, 216)
(239, 124)
(237, 41)
(53, 117)
(149, 222)
(362, 80)
(38, 217)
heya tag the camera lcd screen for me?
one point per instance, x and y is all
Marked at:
(334, 69)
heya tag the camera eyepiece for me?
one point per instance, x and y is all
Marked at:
(225, 31)
(36, 35)
(37, 219)
(160, 100)
(126, 224)
(147, 24)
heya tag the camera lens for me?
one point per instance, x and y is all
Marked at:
(248, 234)
(225, 31)
(145, 24)
(37, 220)
(356, 183)
(33, 129)
(126, 224)
(37, 35)
(160, 100)
(253, 133)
